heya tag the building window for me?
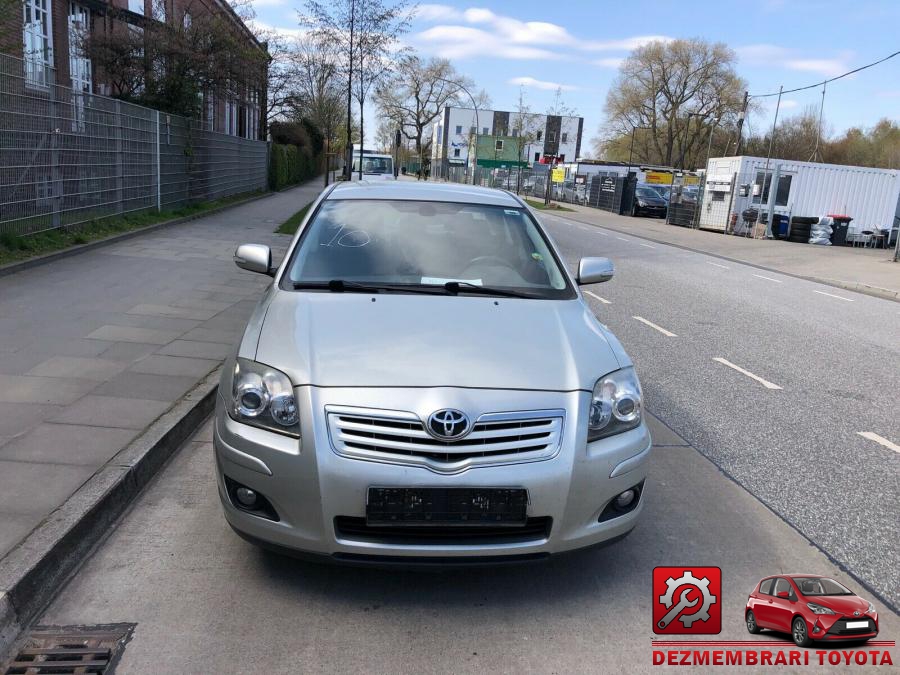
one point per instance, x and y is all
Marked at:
(37, 37)
(472, 131)
(231, 117)
(485, 131)
(187, 20)
(456, 152)
(537, 157)
(458, 129)
(564, 138)
(253, 115)
(498, 145)
(539, 136)
(781, 196)
(561, 159)
(79, 65)
(136, 6)
(551, 136)
(210, 112)
(515, 133)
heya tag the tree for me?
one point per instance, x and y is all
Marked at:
(415, 93)
(659, 84)
(365, 34)
(524, 127)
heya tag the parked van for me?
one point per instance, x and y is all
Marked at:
(375, 166)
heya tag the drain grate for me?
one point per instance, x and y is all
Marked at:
(71, 650)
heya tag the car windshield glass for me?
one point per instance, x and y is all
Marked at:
(647, 192)
(373, 165)
(820, 586)
(427, 244)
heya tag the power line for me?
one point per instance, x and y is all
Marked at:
(824, 82)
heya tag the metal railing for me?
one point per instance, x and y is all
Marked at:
(69, 157)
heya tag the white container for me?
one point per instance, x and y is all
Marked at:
(870, 196)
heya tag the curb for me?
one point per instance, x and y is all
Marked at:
(856, 286)
(21, 266)
(34, 571)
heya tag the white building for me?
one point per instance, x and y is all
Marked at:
(548, 135)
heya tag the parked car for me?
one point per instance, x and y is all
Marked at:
(647, 201)
(573, 193)
(423, 382)
(811, 608)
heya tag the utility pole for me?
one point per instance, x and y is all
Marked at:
(349, 168)
(740, 124)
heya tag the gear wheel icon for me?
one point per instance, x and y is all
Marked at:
(688, 579)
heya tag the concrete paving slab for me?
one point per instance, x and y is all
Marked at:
(34, 489)
(66, 444)
(17, 418)
(130, 384)
(128, 352)
(73, 366)
(128, 334)
(109, 411)
(53, 390)
(210, 350)
(223, 336)
(176, 312)
(160, 364)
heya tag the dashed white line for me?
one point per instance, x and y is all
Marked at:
(647, 245)
(597, 297)
(602, 234)
(621, 238)
(654, 326)
(881, 440)
(777, 281)
(724, 267)
(831, 295)
(765, 383)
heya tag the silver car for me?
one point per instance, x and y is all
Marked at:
(423, 382)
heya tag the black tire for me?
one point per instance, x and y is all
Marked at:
(752, 627)
(804, 220)
(635, 211)
(798, 231)
(800, 633)
(799, 240)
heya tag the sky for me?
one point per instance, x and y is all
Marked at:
(578, 45)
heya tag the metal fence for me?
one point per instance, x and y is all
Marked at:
(69, 157)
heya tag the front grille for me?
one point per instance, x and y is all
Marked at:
(534, 530)
(401, 438)
(840, 627)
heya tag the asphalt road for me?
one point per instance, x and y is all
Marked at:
(835, 355)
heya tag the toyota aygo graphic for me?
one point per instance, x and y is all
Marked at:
(423, 380)
(811, 608)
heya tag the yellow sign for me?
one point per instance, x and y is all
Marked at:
(658, 177)
(692, 180)
(558, 175)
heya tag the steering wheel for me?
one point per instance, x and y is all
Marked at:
(485, 260)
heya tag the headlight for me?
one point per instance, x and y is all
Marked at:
(616, 404)
(871, 609)
(641, 202)
(263, 397)
(818, 609)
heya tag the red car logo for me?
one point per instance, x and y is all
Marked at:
(811, 608)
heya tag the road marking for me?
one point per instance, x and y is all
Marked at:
(647, 245)
(597, 297)
(654, 326)
(767, 278)
(724, 267)
(765, 383)
(830, 295)
(881, 440)
(602, 234)
(621, 238)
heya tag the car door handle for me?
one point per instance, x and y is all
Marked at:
(770, 602)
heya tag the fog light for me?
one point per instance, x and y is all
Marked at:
(623, 501)
(246, 497)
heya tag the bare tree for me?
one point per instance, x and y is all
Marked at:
(415, 93)
(365, 33)
(524, 127)
(660, 83)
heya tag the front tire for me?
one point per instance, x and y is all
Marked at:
(800, 633)
(752, 626)
(635, 211)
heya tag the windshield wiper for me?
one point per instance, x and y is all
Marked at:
(341, 286)
(456, 286)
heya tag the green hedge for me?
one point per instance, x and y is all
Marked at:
(289, 165)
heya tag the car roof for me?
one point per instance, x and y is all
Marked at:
(422, 191)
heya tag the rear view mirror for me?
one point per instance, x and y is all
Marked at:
(254, 258)
(595, 270)
(783, 594)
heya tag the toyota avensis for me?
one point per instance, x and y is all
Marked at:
(422, 382)
(811, 608)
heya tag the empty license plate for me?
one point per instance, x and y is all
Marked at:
(446, 506)
(857, 624)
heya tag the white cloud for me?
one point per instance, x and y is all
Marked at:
(628, 44)
(432, 12)
(540, 84)
(258, 25)
(777, 56)
(826, 67)
(611, 62)
(456, 42)
(762, 54)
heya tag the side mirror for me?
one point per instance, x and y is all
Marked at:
(254, 258)
(595, 270)
(783, 594)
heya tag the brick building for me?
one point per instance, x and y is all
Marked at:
(46, 35)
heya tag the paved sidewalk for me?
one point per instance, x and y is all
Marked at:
(865, 270)
(96, 346)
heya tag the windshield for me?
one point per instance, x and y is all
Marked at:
(427, 244)
(647, 192)
(820, 586)
(374, 165)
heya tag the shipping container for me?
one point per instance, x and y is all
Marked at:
(735, 185)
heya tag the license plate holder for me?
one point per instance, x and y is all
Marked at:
(857, 624)
(451, 506)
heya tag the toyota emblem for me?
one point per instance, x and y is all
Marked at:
(448, 424)
(856, 613)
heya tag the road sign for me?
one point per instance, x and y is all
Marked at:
(558, 175)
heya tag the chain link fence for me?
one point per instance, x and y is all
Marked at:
(68, 157)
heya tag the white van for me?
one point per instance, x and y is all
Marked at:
(375, 166)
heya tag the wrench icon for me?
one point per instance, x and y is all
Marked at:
(680, 605)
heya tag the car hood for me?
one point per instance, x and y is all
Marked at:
(842, 604)
(653, 201)
(362, 340)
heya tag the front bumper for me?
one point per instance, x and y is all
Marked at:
(310, 485)
(832, 628)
